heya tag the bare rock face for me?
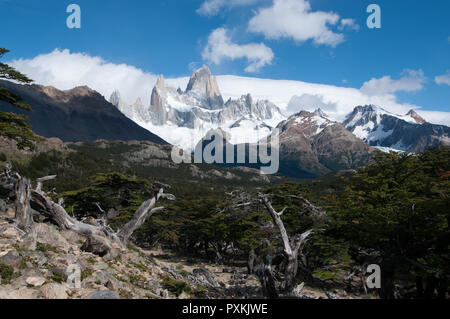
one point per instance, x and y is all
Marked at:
(116, 100)
(202, 83)
(311, 145)
(199, 108)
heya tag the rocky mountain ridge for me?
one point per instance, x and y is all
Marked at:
(80, 114)
(381, 128)
(311, 145)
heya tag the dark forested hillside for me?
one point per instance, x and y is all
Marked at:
(80, 114)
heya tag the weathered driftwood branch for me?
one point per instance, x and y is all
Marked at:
(27, 198)
(41, 180)
(144, 212)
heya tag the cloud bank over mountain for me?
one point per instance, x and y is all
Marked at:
(65, 70)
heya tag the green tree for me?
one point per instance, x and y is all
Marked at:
(14, 125)
(400, 207)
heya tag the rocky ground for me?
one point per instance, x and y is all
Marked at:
(42, 271)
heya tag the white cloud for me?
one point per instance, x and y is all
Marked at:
(436, 117)
(348, 24)
(443, 79)
(341, 100)
(337, 101)
(213, 7)
(294, 19)
(411, 81)
(310, 102)
(220, 47)
(66, 70)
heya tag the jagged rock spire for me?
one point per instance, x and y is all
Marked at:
(160, 82)
(203, 84)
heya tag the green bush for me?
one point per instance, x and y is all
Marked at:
(6, 273)
(177, 287)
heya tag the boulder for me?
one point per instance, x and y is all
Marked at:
(114, 285)
(101, 277)
(71, 236)
(103, 294)
(9, 232)
(54, 291)
(184, 296)
(96, 245)
(17, 293)
(12, 258)
(35, 281)
(49, 235)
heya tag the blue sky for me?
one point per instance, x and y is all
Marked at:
(402, 58)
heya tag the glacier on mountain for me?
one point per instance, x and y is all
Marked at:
(184, 117)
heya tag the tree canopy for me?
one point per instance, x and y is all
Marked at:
(14, 125)
(400, 207)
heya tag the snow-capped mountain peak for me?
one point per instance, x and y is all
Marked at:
(203, 86)
(320, 113)
(361, 115)
(409, 132)
(306, 123)
(183, 116)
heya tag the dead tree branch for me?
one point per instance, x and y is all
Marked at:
(26, 197)
(291, 247)
(144, 212)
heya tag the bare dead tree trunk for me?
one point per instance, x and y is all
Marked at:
(144, 212)
(291, 248)
(26, 198)
(24, 216)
